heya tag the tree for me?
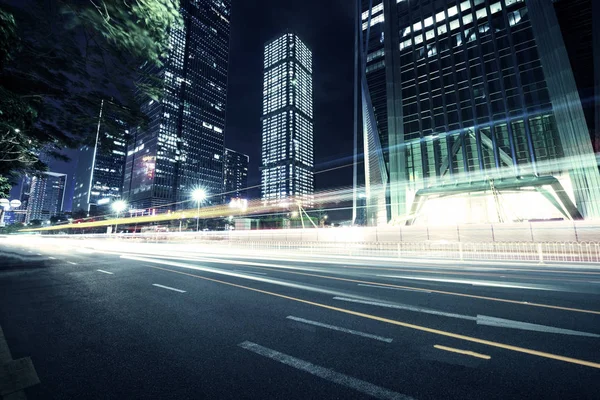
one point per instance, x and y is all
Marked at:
(79, 214)
(14, 228)
(5, 187)
(57, 218)
(60, 58)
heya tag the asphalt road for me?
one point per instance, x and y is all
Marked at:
(119, 325)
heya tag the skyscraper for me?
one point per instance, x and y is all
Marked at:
(236, 174)
(100, 168)
(46, 196)
(182, 148)
(470, 114)
(580, 25)
(287, 123)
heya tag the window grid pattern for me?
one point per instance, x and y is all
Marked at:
(472, 80)
(287, 125)
(183, 146)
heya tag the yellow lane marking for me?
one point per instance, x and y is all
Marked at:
(271, 267)
(525, 303)
(391, 321)
(465, 352)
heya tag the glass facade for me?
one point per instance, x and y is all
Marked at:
(183, 145)
(287, 123)
(100, 168)
(46, 196)
(471, 99)
(236, 174)
(580, 26)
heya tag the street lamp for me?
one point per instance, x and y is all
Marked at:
(199, 195)
(118, 206)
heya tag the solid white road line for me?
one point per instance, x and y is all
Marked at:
(249, 272)
(367, 388)
(340, 329)
(71, 262)
(169, 288)
(473, 282)
(394, 288)
(507, 323)
(105, 272)
(409, 308)
(479, 319)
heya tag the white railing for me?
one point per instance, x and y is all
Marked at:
(515, 251)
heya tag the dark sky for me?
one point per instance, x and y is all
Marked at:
(326, 28)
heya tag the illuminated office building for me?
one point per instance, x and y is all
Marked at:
(182, 147)
(46, 196)
(287, 123)
(100, 168)
(236, 174)
(470, 113)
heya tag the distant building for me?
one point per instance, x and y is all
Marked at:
(287, 171)
(24, 188)
(236, 174)
(471, 113)
(46, 196)
(182, 147)
(99, 175)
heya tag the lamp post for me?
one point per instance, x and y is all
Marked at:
(118, 207)
(199, 195)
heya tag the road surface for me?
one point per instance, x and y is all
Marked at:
(116, 325)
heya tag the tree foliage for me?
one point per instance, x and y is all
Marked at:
(13, 228)
(60, 58)
(5, 187)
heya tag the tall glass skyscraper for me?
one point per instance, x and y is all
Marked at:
(580, 25)
(182, 147)
(46, 196)
(99, 175)
(236, 174)
(470, 113)
(287, 123)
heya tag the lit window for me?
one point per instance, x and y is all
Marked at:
(481, 13)
(439, 17)
(418, 26)
(454, 25)
(496, 7)
(465, 5)
(452, 11)
(428, 21)
(467, 19)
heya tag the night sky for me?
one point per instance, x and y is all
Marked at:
(327, 29)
